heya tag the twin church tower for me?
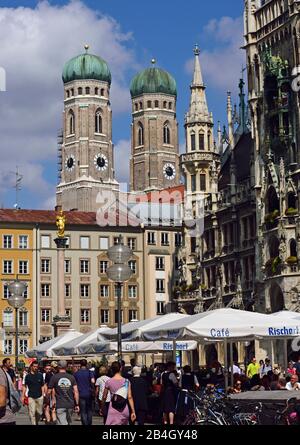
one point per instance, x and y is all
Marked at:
(87, 151)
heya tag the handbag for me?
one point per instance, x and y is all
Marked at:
(118, 401)
(14, 400)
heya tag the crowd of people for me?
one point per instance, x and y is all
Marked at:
(123, 394)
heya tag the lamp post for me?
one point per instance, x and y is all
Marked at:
(119, 272)
(16, 300)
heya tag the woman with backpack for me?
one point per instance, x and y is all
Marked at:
(121, 396)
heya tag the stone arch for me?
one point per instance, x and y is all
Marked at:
(272, 200)
(273, 247)
(293, 248)
(292, 200)
(276, 298)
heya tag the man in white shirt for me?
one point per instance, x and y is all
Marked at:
(265, 368)
(294, 384)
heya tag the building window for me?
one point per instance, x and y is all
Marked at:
(160, 286)
(8, 347)
(45, 290)
(87, 90)
(165, 104)
(7, 241)
(84, 242)
(8, 318)
(141, 105)
(193, 183)
(208, 140)
(45, 266)
(7, 266)
(149, 104)
(132, 265)
(103, 243)
(67, 266)
(151, 238)
(79, 91)
(98, 122)
(68, 313)
(45, 315)
(23, 267)
(44, 339)
(178, 239)
(167, 134)
(84, 291)
(45, 241)
(132, 291)
(131, 243)
(67, 290)
(160, 263)
(132, 315)
(71, 122)
(140, 134)
(117, 318)
(201, 142)
(85, 316)
(23, 318)
(165, 239)
(136, 106)
(203, 183)
(193, 142)
(25, 295)
(23, 345)
(104, 316)
(96, 91)
(23, 242)
(103, 266)
(84, 266)
(104, 290)
(67, 242)
(116, 240)
(6, 293)
(160, 307)
(103, 92)
(170, 105)
(156, 104)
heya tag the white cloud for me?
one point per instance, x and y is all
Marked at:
(122, 155)
(35, 44)
(222, 65)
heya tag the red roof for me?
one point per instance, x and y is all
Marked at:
(73, 217)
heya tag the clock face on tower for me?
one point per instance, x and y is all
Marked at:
(70, 163)
(100, 162)
(169, 171)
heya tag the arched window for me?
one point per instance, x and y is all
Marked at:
(149, 104)
(165, 104)
(140, 134)
(170, 105)
(96, 91)
(71, 122)
(208, 140)
(293, 248)
(167, 134)
(87, 90)
(72, 92)
(136, 106)
(68, 93)
(156, 104)
(201, 141)
(193, 141)
(98, 122)
(80, 91)
(102, 92)
(141, 105)
(292, 201)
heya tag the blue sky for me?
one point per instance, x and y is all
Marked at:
(36, 42)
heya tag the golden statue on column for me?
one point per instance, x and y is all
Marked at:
(60, 224)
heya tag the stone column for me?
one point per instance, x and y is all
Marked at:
(61, 322)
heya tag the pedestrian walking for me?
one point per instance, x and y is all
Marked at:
(7, 417)
(187, 382)
(100, 386)
(48, 373)
(121, 396)
(35, 385)
(140, 390)
(8, 367)
(169, 393)
(64, 394)
(85, 382)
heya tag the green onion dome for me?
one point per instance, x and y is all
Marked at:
(153, 80)
(86, 66)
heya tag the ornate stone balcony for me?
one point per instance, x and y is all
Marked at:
(200, 156)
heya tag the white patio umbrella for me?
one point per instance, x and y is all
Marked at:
(137, 346)
(134, 330)
(47, 349)
(224, 324)
(287, 315)
(73, 347)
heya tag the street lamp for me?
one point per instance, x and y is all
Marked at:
(16, 300)
(119, 272)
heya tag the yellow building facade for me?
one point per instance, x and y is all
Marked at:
(16, 262)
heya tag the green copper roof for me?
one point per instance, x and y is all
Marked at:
(153, 80)
(86, 66)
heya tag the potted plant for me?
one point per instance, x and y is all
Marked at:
(292, 260)
(291, 211)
